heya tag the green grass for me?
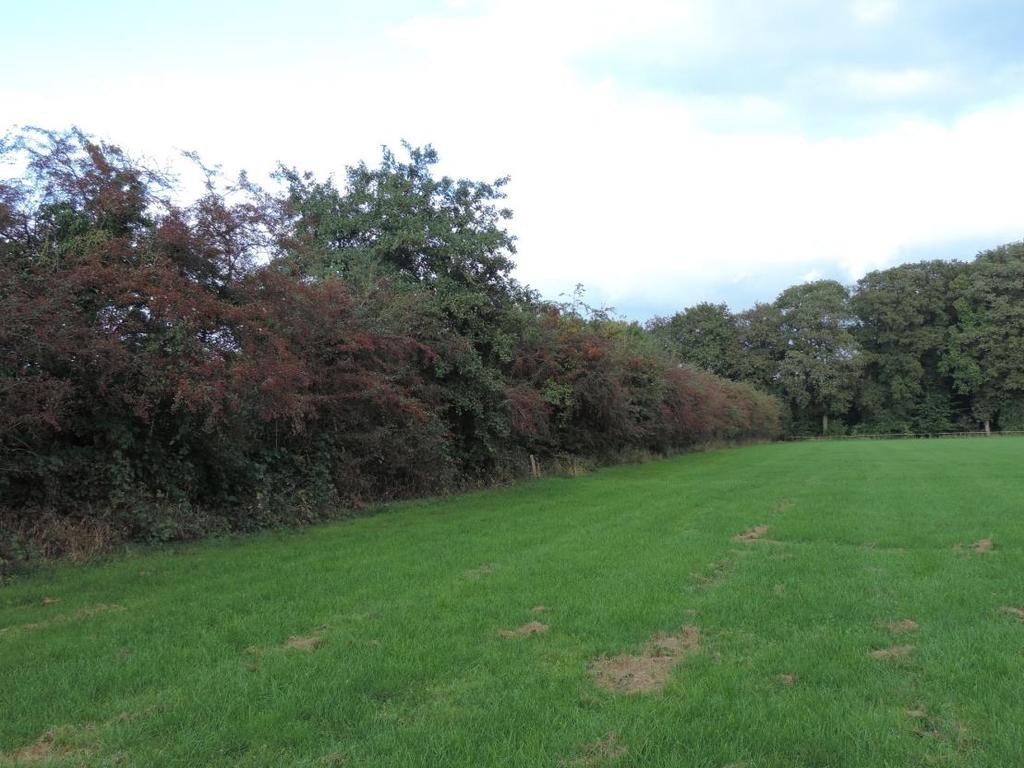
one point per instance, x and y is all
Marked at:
(186, 665)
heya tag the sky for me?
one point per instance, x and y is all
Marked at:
(662, 152)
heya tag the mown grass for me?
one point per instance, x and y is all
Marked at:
(180, 657)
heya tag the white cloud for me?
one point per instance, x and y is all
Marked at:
(557, 29)
(628, 192)
(889, 84)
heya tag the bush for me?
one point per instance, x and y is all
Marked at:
(171, 371)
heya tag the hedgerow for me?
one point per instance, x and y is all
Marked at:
(254, 358)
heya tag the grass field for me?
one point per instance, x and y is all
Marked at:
(862, 627)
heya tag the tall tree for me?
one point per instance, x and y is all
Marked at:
(986, 346)
(444, 241)
(400, 217)
(703, 335)
(820, 364)
(761, 347)
(903, 315)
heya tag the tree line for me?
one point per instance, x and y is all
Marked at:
(935, 346)
(251, 357)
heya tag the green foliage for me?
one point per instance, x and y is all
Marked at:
(929, 347)
(933, 413)
(704, 335)
(986, 347)
(1011, 414)
(254, 359)
(820, 365)
(399, 218)
(904, 316)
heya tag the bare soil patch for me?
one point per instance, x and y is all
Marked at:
(69, 744)
(903, 626)
(892, 652)
(38, 751)
(979, 547)
(1018, 612)
(533, 628)
(44, 750)
(538, 609)
(604, 751)
(307, 643)
(650, 670)
(751, 534)
(787, 680)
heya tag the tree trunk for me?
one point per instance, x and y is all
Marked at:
(988, 427)
(824, 423)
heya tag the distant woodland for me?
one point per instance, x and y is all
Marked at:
(931, 347)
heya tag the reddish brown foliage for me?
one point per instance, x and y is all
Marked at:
(160, 364)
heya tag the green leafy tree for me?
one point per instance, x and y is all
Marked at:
(399, 217)
(761, 347)
(703, 335)
(820, 365)
(986, 345)
(903, 315)
(445, 241)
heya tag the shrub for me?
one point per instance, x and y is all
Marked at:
(169, 371)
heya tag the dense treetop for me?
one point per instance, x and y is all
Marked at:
(934, 346)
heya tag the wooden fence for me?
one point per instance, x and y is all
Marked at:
(908, 435)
